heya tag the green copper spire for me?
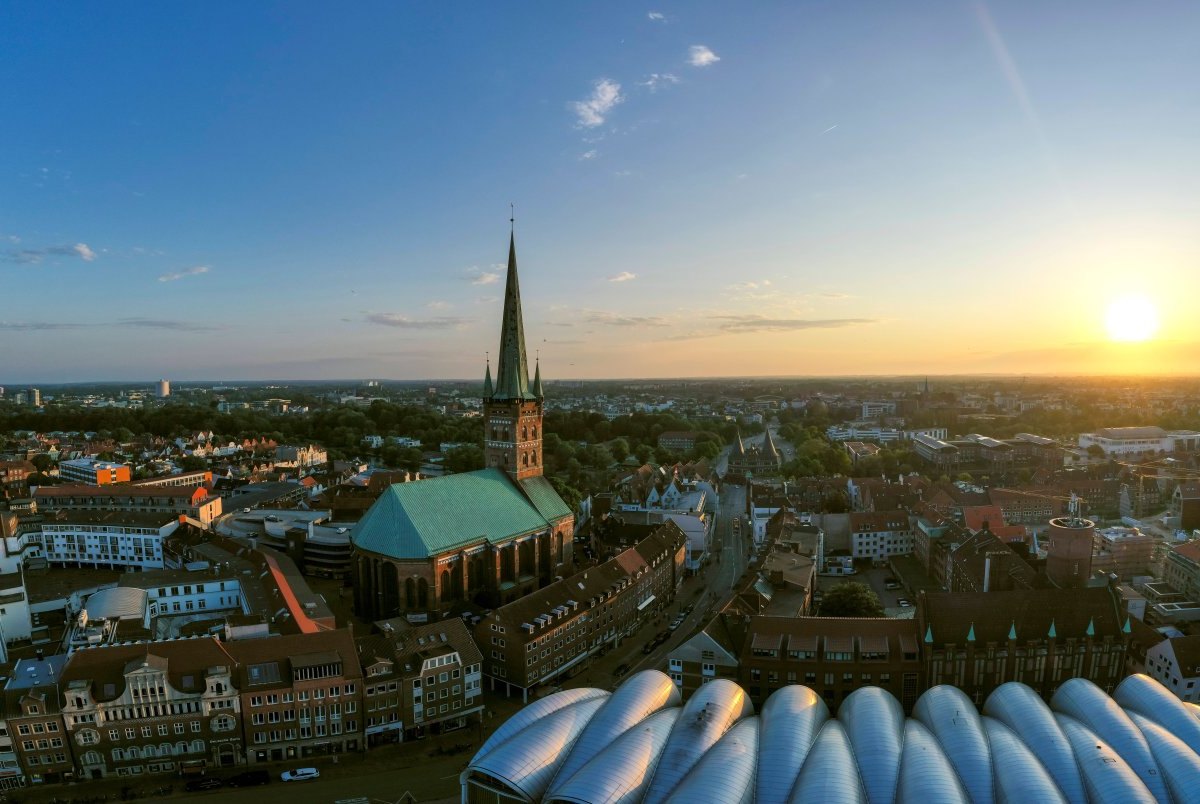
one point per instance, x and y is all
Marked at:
(1053, 633)
(929, 635)
(971, 633)
(1125, 628)
(537, 380)
(1091, 629)
(487, 381)
(1012, 631)
(512, 369)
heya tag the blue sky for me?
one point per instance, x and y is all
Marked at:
(318, 190)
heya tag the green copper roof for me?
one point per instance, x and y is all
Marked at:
(1053, 634)
(971, 633)
(487, 382)
(537, 381)
(512, 369)
(544, 498)
(1012, 632)
(427, 517)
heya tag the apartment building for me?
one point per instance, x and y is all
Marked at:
(149, 708)
(185, 479)
(123, 540)
(35, 720)
(419, 680)
(552, 631)
(1175, 663)
(832, 655)
(14, 476)
(194, 502)
(1182, 569)
(93, 471)
(302, 694)
(881, 534)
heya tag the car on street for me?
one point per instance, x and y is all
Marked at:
(904, 603)
(203, 784)
(249, 778)
(678, 621)
(300, 775)
(621, 670)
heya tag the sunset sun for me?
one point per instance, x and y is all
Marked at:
(1131, 319)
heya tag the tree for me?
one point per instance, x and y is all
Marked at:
(193, 463)
(464, 459)
(852, 599)
(43, 462)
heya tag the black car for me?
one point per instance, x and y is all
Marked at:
(620, 671)
(203, 784)
(249, 779)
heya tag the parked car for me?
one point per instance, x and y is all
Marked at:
(203, 784)
(678, 621)
(300, 775)
(891, 585)
(620, 671)
(903, 603)
(649, 647)
(249, 778)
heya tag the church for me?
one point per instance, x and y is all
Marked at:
(761, 461)
(482, 538)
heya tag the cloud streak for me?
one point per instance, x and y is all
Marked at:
(164, 323)
(34, 256)
(176, 276)
(593, 111)
(701, 56)
(478, 277)
(619, 320)
(758, 323)
(399, 321)
(624, 276)
(656, 16)
(35, 326)
(656, 81)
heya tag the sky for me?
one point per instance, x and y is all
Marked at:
(224, 191)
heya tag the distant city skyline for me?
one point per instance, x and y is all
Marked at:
(230, 192)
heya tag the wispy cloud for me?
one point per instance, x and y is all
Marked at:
(592, 112)
(750, 285)
(165, 323)
(831, 128)
(701, 56)
(149, 323)
(586, 155)
(656, 16)
(758, 323)
(33, 256)
(404, 322)
(656, 81)
(619, 320)
(177, 275)
(478, 277)
(438, 305)
(624, 276)
(35, 326)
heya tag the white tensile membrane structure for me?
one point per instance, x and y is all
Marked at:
(643, 744)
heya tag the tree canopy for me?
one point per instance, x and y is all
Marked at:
(851, 599)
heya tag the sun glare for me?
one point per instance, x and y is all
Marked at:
(1131, 319)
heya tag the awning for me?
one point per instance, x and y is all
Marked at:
(645, 603)
(766, 642)
(804, 643)
(839, 644)
(873, 644)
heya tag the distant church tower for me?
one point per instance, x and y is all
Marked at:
(512, 409)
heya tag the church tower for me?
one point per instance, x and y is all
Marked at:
(512, 407)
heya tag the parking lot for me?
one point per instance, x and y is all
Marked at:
(876, 578)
